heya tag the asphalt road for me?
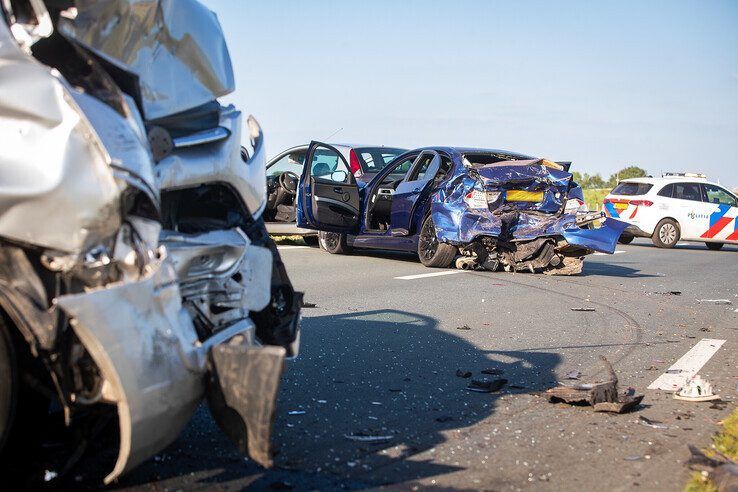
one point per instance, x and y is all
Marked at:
(380, 354)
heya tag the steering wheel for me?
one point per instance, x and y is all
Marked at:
(288, 182)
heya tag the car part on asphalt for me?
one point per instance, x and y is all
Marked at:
(116, 140)
(696, 389)
(602, 396)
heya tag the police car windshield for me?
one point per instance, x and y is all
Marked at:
(630, 189)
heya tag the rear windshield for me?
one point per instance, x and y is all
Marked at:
(374, 159)
(630, 189)
(482, 159)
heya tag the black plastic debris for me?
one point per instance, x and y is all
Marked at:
(602, 396)
(463, 327)
(463, 374)
(584, 309)
(309, 304)
(486, 385)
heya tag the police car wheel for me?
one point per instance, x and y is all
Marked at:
(714, 246)
(626, 239)
(666, 234)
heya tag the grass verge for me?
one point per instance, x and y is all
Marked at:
(724, 442)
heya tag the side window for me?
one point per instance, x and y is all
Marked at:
(687, 191)
(327, 164)
(666, 191)
(422, 167)
(715, 194)
(402, 168)
(444, 169)
(290, 162)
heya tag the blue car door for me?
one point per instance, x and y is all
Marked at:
(328, 196)
(410, 193)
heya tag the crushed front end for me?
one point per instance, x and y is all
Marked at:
(512, 216)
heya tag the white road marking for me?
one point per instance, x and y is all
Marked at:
(426, 275)
(289, 246)
(617, 252)
(686, 367)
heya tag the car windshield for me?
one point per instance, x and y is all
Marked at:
(374, 159)
(629, 189)
(292, 161)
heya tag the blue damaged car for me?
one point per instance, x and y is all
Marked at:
(475, 208)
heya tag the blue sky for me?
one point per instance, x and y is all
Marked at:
(604, 85)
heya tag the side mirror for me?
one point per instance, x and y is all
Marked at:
(339, 176)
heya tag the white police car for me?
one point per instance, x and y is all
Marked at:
(677, 206)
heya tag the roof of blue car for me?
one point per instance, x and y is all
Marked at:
(471, 150)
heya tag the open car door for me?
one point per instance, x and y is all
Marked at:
(409, 193)
(328, 194)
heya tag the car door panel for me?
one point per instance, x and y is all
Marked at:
(722, 207)
(328, 194)
(410, 193)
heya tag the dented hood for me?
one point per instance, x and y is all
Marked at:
(175, 48)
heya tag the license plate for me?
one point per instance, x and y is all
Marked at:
(524, 196)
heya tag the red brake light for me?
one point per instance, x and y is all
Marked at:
(641, 203)
(354, 163)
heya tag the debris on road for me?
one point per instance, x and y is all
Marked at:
(654, 424)
(486, 385)
(296, 412)
(603, 396)
(584, 309)
(463, 327)
(309, 304)
(715, 301)
(366, 437)
(669, 293)
(696, 389)
(463, 374)
(573, 374)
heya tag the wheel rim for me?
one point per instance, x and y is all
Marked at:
(428, 240)
(667, 233)
(331, 240)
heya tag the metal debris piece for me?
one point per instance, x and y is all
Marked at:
(486, 385)
(655, 424)
(368, 438)
(602, 396)
(463, 374)
(584, 309)
(573, 374)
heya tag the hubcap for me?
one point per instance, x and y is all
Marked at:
(667, 233)
(331, 240)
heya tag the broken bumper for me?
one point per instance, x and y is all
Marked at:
(156, 370)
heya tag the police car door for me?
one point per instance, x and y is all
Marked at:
(721, 208)
(689, 209)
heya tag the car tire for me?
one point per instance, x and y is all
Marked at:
(714, 246)
(334, 242)
(666, 234)
(311, 240)
(431, 251)
(8, 385)
(626, 238)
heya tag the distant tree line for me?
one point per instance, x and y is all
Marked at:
(595, 181)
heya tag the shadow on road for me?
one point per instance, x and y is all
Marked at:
(383, 373)
(601, 269)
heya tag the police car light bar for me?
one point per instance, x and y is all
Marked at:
(683, 175)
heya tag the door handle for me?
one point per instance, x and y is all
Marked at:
(337, 189)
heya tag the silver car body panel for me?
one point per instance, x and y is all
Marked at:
(175, 47)
(55, 168)
(220, 162)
